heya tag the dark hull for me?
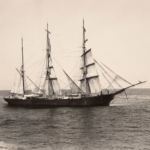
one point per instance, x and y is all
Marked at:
(103, 100)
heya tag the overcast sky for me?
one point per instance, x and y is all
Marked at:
(118, 32)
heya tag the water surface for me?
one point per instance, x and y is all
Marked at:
(125, 125)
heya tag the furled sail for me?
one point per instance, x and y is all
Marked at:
(51, 85)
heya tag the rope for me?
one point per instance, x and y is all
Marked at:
(34, 51)
(107, 55)
(36, 63)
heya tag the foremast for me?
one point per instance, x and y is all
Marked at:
(90, 81)
(84, 63)
(53, 87)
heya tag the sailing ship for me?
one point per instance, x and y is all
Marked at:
(88, 93)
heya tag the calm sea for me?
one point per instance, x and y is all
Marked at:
(124, 125)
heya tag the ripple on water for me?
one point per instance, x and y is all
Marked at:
(123, 125)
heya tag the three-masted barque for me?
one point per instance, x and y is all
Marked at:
(51, 94)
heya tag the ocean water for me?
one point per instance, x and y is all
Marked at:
(124, 125)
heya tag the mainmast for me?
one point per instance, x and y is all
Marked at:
(49, 66)
(47, 60)
(22, 71)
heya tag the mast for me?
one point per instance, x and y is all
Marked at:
(84, 62)
(52, 83)
(47, 58)
(89, 82)
(22, 68)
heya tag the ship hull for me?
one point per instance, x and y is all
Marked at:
(35, 102)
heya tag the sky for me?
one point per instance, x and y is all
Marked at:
(118, 32)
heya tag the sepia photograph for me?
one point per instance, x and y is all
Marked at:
(74, 74)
